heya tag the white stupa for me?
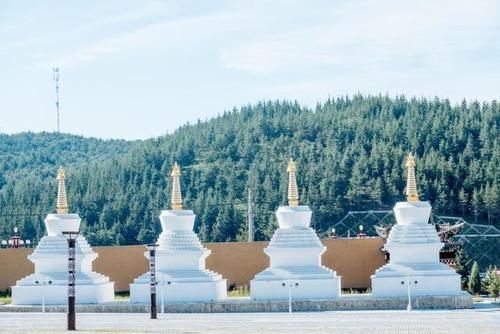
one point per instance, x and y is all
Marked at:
(50, 258)
(295, 256)
(414, 245)
(180, 260)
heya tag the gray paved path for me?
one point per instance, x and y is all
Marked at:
(346, 322)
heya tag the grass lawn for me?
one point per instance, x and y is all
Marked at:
(5, 300)
(239, 292)
(125, 295)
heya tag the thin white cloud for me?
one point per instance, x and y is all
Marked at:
(231, 53)
(39, 30)
(370, 34)
(170, 32)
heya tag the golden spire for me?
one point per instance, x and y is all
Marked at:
(293, 192)
(62, 200)
(176, 187)
(411, 183)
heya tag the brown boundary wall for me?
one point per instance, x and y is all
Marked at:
(14, 265)
(353, 259)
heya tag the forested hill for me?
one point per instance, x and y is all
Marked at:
(349, 152)
(28, 165)
(35, 154)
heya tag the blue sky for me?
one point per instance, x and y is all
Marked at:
(138, 69)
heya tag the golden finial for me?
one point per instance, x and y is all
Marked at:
(62, 200)
(411, 183)
(176, 187)
(293, 192)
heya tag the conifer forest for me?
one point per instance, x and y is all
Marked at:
(349, 152)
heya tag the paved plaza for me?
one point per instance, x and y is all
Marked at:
(436, 322)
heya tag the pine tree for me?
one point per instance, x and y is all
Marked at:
(491, 282)
(225, 227)
(476, 204)
(475, 279)
(491, 201)
(462, 267)
(377, 193)
(463, 202)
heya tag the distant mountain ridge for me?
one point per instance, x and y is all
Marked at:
(349, 153)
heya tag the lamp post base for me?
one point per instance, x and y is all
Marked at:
(153, 306)
(71, 314)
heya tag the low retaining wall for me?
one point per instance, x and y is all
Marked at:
(238, 305)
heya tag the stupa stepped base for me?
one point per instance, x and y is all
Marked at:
(91, 288)
(295, 261)
(50, 258)
(185, 286)
(307, 283)
(432, 279)
(61, 278)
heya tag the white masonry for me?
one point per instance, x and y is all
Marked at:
(414, 245)
(50, 280)
(181, 274)
(294, 252)
(180, 265)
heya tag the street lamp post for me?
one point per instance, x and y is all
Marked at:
(15, 241)
(162, 296)
(361, 233)
(334, 236)
(408, 286)
(43, 282)
(289, 284)
(15, 238)
(152, 273)
(71, 238)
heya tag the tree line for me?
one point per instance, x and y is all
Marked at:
(349, 152)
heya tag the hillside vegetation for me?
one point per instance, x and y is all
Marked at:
(28, 163)
(36, 154)
(349, 152)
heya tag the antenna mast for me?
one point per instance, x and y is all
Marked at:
(55, 73)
